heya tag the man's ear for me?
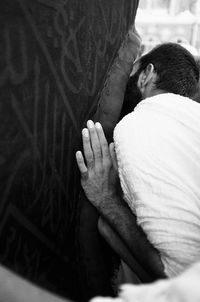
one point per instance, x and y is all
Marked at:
(146, 76)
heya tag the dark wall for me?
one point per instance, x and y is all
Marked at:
(54, 57)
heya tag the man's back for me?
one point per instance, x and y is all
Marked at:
(157, 147)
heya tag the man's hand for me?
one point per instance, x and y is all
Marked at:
(100, 182)
(98, 176)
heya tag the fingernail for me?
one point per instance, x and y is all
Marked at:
(85, 132)
(98, 125)
(90, 124)
(78, 154)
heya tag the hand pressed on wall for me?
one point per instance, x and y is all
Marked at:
(100, 181)
(99, 177)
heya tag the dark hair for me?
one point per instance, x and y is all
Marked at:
(176, 68)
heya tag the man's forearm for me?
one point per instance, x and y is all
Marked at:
(120, 248)
(123, 221)
(15, 289)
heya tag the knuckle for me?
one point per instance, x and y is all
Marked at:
(90, 165)
(90, 158)
(99, 169)
(107, 163)
(104, 144)
(98, 153)
(80, 161)
(107, 154)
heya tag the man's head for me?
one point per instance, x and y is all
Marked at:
(166, 68)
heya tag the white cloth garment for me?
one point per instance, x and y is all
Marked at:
(158, 153)
(184, 288)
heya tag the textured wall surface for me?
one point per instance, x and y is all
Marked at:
(54, 58)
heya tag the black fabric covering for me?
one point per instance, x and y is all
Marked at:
(54, 58)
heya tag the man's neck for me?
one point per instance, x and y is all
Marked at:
(154, 92)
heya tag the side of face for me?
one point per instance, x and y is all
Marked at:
(144, 81)
(136, 92)
(139, 87)
(132, 94)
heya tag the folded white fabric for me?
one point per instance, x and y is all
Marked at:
(158, 154)
(184, 288)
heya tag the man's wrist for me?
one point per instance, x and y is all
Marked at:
(107, 200)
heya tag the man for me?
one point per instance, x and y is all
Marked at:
(108, 113)
(167, 68)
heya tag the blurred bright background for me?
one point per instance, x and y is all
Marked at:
(160, 21)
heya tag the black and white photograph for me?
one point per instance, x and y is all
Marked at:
(99, 151)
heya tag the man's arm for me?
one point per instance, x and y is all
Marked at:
(15, 289)
(99, 181)
(124, 232)
(120, 248)
(112, 96)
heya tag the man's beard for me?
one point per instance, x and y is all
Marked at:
(132, 96)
